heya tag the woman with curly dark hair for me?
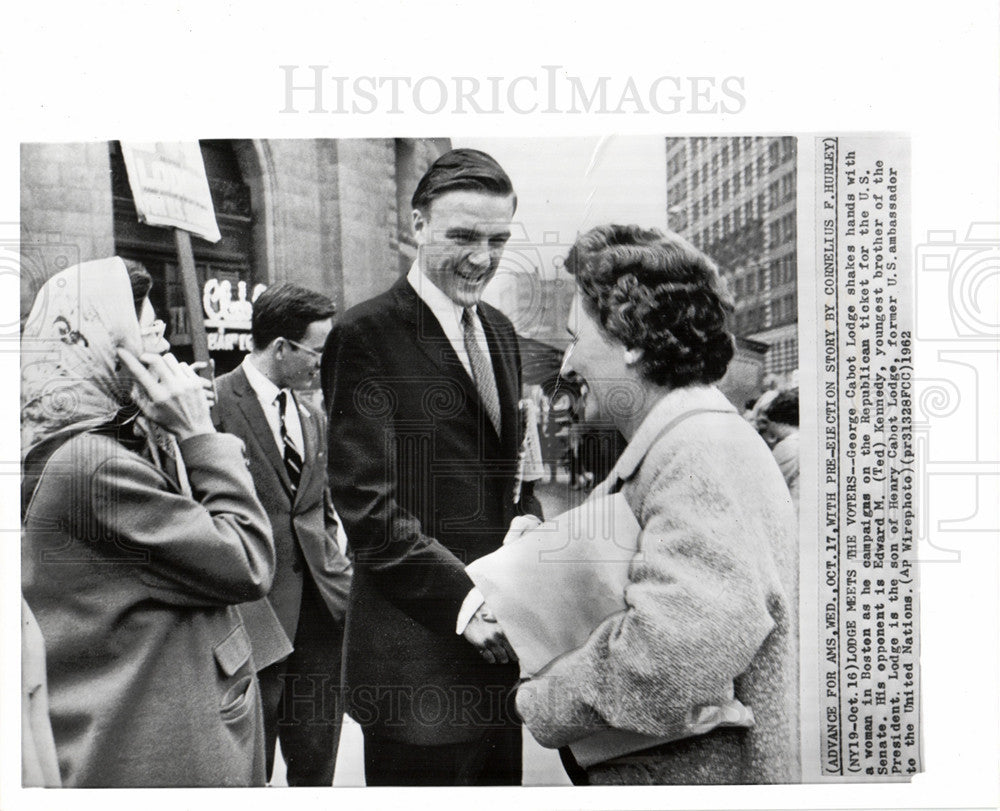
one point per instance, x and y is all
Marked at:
(703, 660)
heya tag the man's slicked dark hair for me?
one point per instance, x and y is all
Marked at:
(285, 311)
(462, 170)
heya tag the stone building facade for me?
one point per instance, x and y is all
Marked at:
(332, 215)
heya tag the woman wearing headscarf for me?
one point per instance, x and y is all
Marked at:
(141, 531)
(704, 656)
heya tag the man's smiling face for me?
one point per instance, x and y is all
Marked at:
(461, 238)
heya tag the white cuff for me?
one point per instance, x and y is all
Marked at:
(470, 606)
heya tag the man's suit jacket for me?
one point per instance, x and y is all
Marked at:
(303, 524)
(424, 485)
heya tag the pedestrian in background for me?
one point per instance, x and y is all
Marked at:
(286, 444)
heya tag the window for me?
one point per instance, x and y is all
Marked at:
(774, 154)
(783, 356)
(773, 196)
(788, 186)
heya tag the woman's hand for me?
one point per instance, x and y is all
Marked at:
(207, 382)
(169, 394)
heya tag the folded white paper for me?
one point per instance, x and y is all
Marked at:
(554, 585)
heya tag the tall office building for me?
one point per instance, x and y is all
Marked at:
(735, 199)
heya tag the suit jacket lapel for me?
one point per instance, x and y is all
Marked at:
(309, 451)
(260, 430)
(430, 338)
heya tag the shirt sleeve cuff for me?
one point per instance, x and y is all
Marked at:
(470, 606)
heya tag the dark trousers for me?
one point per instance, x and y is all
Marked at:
(301, 697)
(492, 760)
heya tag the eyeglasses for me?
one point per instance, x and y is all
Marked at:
(154, 330)
(563, 368)
(316, 353)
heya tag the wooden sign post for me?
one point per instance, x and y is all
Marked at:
(170, 189)
(192, 296)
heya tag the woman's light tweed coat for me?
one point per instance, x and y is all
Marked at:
(712, 604)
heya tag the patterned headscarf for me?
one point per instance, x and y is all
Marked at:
(71, 377)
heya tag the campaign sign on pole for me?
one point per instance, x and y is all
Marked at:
(170, 187)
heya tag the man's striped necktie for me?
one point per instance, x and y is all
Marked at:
(291, 456)
(482, 369)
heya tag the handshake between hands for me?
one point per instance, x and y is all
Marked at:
(484, 630)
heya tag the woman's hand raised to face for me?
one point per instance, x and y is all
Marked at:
(169, 393)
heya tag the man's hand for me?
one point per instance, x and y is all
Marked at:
(169, 393)
(485, 633)
(520, 525)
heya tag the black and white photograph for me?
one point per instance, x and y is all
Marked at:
(482, 360)
(580, 432)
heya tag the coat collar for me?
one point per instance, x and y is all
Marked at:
(672, 405)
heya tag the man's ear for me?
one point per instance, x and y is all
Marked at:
(420, 226)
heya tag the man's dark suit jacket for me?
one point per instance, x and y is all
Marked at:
(304, 529)
(424, 485)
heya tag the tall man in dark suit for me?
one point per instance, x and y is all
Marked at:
(422, 385)
(286, 440)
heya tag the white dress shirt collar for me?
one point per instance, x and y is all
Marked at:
(267, 395)
(263, 385)
(448, 314)
(443, 307)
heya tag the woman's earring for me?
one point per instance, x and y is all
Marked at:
(632, 356)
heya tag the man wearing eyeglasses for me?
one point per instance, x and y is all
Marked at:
(285, 438)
